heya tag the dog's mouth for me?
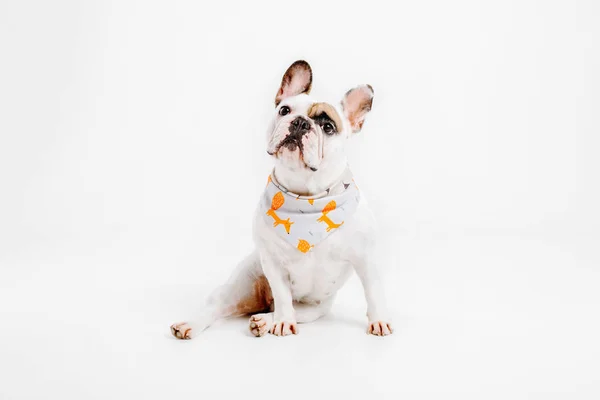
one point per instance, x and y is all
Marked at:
(291, 142)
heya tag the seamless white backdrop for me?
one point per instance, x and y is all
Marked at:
(480, 160)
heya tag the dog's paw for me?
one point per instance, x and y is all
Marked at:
(380, 328)
(260, 324)
(181, 330)
(284, 328)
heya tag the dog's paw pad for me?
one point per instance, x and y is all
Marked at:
(380, 328)
(259, 324)
(181, 330)
(284, 328)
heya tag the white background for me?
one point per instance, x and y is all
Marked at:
(129, 129)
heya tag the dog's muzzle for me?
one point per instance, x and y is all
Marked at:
(299, 127)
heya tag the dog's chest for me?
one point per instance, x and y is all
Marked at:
(316, 278)
(318, 274)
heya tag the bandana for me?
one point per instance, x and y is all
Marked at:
(305, 221)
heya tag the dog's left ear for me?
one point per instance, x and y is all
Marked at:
(356, 104)
(296, 80)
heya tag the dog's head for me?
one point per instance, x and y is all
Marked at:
(308, 134)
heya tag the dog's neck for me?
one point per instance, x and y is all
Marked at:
(304, 182)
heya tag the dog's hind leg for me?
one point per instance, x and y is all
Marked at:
(247, 291)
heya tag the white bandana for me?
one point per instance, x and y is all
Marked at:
(305, 221)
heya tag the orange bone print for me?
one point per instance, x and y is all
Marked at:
(276, 203)
(304, 246)
(324, 218)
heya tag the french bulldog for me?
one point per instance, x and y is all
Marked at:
(312, 227)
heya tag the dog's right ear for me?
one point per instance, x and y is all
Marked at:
(296, 80)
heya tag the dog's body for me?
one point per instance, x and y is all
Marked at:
(283, 285)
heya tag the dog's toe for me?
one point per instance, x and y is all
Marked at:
(181, 330)
(284, 328)
(260, 324)
(380, 328)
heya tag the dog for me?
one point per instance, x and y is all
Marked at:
(311, 229)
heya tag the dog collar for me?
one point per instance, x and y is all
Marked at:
(305, 221)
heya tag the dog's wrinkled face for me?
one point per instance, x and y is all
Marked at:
(305, 133)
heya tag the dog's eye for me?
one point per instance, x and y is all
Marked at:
(285, 110)
(328, 128)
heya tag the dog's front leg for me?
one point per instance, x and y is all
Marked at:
(284, 318)
(379, 322)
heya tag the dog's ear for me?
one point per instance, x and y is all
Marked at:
(297, 79)
(356, 104)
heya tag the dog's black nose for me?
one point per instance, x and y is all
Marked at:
(299, 125)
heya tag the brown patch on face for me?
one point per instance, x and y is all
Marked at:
(317, 109)
(260, 300)
(296, 80)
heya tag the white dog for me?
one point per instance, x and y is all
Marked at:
(311, 228)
